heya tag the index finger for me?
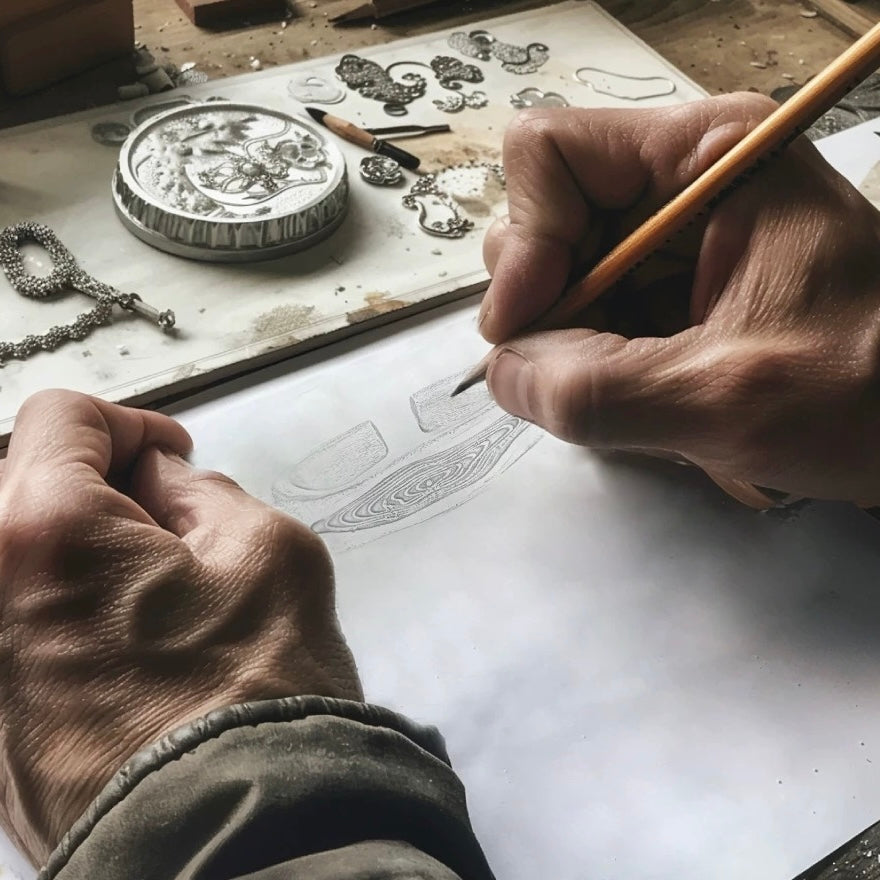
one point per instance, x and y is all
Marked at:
(64, 429)
(565, 167)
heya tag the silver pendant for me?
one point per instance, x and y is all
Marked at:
(380, 170)
(311, 89)
(622, 85)
(436, 196)
(482, 45)
(532, 97)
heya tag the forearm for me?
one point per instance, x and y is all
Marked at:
(303, 787)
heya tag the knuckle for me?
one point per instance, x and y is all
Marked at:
(749, 105)
(527, 127)
(208, 478)
(52, 400)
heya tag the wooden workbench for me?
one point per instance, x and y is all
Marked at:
(724, 45)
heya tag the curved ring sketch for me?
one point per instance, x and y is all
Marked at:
(341, 461)
(435, 408)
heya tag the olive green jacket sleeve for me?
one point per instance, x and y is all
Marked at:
(304, 787)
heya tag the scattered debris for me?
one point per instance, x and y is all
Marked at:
(256, 64)
(808, 13)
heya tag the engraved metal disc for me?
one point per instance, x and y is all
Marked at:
(230, 183)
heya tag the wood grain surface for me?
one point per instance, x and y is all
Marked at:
(725, 46)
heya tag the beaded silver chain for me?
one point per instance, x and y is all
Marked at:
(66, 275)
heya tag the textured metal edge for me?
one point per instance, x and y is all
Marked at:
(239, 253)
(218, 239)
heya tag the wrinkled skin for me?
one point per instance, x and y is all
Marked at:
(772, 376)
(137, 594)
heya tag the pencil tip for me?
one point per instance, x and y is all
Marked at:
(476, 375)
(316, 114)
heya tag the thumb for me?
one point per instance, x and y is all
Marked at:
(602, 390)
(181, 498)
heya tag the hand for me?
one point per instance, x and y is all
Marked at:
(137, 594)
(773, 376)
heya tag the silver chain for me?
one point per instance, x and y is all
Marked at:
(66, 275)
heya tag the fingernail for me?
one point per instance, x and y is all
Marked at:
(485, 311)
(511, 378)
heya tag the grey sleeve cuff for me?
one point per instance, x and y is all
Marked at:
(299, 787)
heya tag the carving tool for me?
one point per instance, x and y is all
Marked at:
(378, 9)
(768, 138)
(402, 131)
(348, 131)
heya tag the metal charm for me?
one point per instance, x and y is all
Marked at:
(311, 89)
(514, 59)
(532, 97)
(452, 73)
(444, 190)
(65, 276)
(374, 81)
(457, 101)
(380, 170)
(621, 85)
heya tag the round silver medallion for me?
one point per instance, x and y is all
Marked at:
(230, 183)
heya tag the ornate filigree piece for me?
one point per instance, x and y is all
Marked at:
(482, 45)
(438, 196)
(452, 73)
(373, 81)
(457, 101)
(230, 182)
(380, 170)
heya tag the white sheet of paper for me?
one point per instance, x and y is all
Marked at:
(637, 677)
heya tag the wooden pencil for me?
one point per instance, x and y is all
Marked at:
(778, 129)
(378, 9)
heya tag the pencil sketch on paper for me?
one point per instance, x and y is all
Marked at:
(472, 442)
(341, 461)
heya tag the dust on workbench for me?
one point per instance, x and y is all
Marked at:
(724, 45)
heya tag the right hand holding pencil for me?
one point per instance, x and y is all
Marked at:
(750, 345)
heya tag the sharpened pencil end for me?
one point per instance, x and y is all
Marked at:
(316, 114)
(473, 377)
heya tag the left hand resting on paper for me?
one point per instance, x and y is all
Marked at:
(137, 593)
